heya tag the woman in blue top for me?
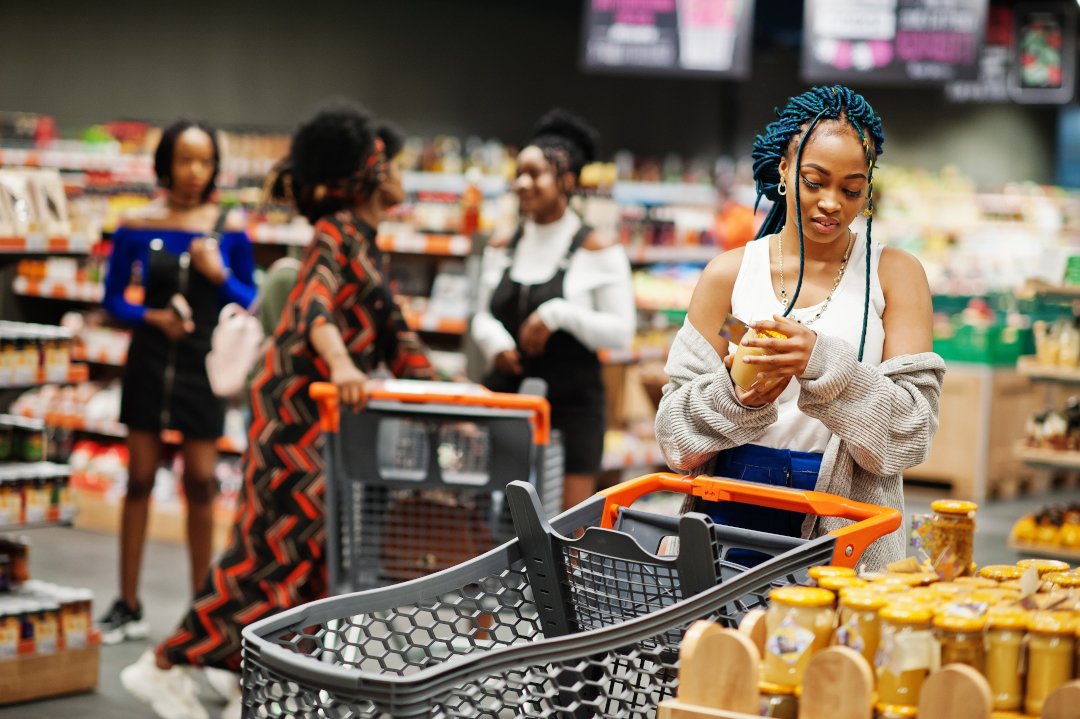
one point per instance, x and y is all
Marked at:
(192, 262)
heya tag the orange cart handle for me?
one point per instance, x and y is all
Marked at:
(326, 397)
(871, 521)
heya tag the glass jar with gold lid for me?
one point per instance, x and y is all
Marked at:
(798, 624)
(1051, 648)
(1067, 583)
(961, 629)
(1044, 566)
(975, 582)
(1006, 627)
(1001, 572)
(836, 584)
(904, 658)
(829, 570)
(859, 627)
(953, 528)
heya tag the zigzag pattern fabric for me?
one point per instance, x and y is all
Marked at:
(275, 559)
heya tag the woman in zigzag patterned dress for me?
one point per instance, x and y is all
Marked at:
(339, 323)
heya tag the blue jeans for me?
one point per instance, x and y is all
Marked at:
(763, 465)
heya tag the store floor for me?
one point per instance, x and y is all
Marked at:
(78, 558)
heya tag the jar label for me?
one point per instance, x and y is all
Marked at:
(790, 641)
(848, 635)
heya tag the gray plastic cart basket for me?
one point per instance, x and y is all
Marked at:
(416, 479)
(581, 617)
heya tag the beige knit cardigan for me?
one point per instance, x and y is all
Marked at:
(882, 419)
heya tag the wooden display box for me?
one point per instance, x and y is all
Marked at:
(69, 671)
(98, 514)
(982, 416)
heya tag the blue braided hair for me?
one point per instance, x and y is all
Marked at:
(799, 117)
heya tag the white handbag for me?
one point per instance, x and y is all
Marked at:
(235, 346)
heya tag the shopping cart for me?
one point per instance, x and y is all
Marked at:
(549, 625)
(416, 478)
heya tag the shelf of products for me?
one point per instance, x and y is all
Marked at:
(76, 373)
(1032, 368)
(1051, 531)
(44, 244)
(1056, 458)
(92, 292)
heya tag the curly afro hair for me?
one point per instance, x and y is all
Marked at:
(331, 146)
(567, 141)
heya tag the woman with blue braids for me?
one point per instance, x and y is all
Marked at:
(847, 393)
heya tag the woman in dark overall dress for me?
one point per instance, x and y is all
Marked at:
(192, 263)
(554, 295)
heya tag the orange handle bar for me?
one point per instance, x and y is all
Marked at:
(871, 521)
(326, 396)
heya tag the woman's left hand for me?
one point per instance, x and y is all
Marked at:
(534, 335)
(206, 257)
(789, 356)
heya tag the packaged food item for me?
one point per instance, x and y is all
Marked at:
(835, 584)
(1004, 656)
(952, 537)
(745, 375)
(859, 626)
(961, 630)
(46, 626)
(906, 654)
(1051, 655)
(799, 623)
(1001, 572)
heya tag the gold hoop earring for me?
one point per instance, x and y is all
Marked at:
(781, 187)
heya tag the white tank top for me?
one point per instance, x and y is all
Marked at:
(753, 298)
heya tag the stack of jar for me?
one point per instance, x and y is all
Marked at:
(30, 497)
(42, 618)
(907, 625)
(30, 354)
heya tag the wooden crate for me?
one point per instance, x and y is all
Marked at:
(982, 417)
(68, 671)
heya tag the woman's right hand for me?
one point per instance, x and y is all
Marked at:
(351, 383)
(509, 362)
(170, 323)
(760, 393)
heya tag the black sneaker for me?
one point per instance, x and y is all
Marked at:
(123, 623)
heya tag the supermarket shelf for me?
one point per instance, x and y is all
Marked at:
(450, 184)
(99, 511)
(77, 373)
(1044, 550)
(656, 254)
(18, 527)
(296, 234)
(109, 428)
(427, 322)
(100, 356)
(59, 289)
(1031, 368)
(17, 471)
(1059, 459)
(420, 243)
(664, 193)
(38, 243)
(632, 356)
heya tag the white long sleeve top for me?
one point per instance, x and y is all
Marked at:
(597, 306)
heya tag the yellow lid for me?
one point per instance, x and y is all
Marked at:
(995, 595)
(976, 582)
(920, 594)
(802, 596)
(1052, 623)
(901, 578)
(1044, 566)
(953, 506)
(953, 620)
(1001, 572)
(949, 589)
(770, 688)
(906, 613)
(858, 598)
(1013, 585)
(835, 584)
(829, 570)
(1065, 580)
(1008, 618)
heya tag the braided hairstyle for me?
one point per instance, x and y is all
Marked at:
(797, 120)
(567, 141)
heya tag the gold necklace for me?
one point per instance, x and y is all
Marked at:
(836, 282)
